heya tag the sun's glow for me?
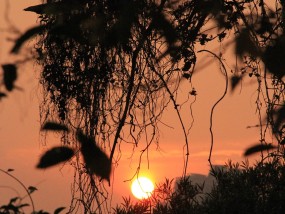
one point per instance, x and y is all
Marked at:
(142, 187)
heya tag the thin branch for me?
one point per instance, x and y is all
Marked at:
(180, 120)
(214, 106)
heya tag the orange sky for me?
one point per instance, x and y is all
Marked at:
(20, 144)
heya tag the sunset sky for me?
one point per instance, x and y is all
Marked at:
(21, 143)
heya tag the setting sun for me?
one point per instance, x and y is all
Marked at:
(142, 187)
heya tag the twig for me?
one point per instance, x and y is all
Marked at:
(214, 106)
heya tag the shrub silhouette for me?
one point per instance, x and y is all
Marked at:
(237, 189)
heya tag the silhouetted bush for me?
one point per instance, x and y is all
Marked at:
(237, 189)
(17, 205)
(245, 189)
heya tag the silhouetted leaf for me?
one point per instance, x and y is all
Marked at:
(193, 92)
(245, 44)
(13, 200)
(97, 162)
(39, 9)
(186, 75)
(34, 31)
(58, 210)
(120, 32)
(54, 7)
(55, 156)
(160, 22)
(23, 205)
(215, 6)
(280, 119)
(204, 38)
(32, 189)
(187, 66)
(52, 126)
(273, 57)
(265, 26)
(2, 95)
(258, 148)
(209, 6)
(221, 36)
(69, 29)
(10, 75)
(235, 81)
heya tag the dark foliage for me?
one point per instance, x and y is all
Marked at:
(9, 76)
(273, 57)
(28, 35)
(96, 161)
(258, 189)
(258, 149)
(17, 205)
(55, 156)
(127, 207)
(52, 126)
(184, 197)
(237, 189)
(13, 206)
